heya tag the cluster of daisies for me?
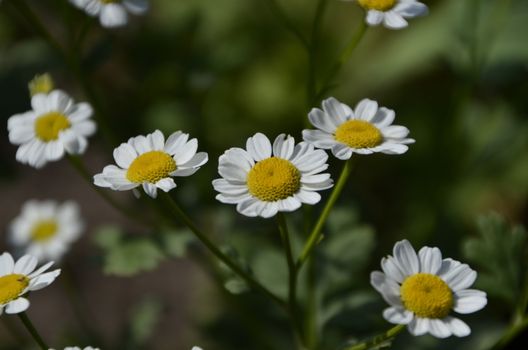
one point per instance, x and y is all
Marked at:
(391, 14)
(262, 179)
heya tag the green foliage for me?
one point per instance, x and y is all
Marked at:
(126, 256)
(143, 320)
(500, 251)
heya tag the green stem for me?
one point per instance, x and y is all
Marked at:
(77, 163)
(292, 275)
(345, 55)
(312, 328)
(312, 53)
(286, 22)
(177, 211)
(72, 61)
(510, 334)
(315, 235)
(31, 329)
(379, 339)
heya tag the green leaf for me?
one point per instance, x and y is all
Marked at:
(107, 236)
(132, 257)
(143, 320)
(499, 251)
(177, 242)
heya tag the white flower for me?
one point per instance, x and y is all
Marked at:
(366, 130)
(16, 279)
(266, 179)
(150, 161)
(196, 348)
(54, 126)
(423, 289)
(391, 13)
(112, 13)
(46, 229)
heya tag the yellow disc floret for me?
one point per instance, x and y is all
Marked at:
(273, 179)
(426, 295)
(11, 286)
(358, 134)
(151, 167)
(49, 125)
(380, 5)
(44, 230)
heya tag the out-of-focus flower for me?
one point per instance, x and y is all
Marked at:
(151, 162)
(41, 84)
(78, 348)
(423, 289)
(266, 179)
(391, 13)
(17, 279)
(55, 125)
(366, 130)
(112, 13)
(46, 229)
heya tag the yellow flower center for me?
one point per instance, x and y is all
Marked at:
(426, 295)
(358, 134)
(273, 179)
(11, 286)
(44, 230)
(151, 167)
(380, 5)
(49, 125)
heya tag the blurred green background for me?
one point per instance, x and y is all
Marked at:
(223, 70)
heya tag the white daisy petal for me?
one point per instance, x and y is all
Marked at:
(136, 7)
(186, 153)
(418, 326)
(410, 9)
(458, 327)
(366, 109)
(397, 315)
(283, 146)
(7, 264)
(460, 277)
(374, 17)
(25, 265)
(43, 280)
(166, 184)
(113, 15)
(394, 20)
(337, 111)
(259, 147)
(150, 189)
(439, 328)
(17, 306)
(392, 269)
(383, 117)
(430, 260)
(469, 300)
(406, 256)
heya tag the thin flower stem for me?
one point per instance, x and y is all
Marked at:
(176, 210)
(311, 324)
(78, 164)
(73, 62)
(292, 276)
(312, 52)
(379, 339)
(286, 22)
(31, 329)
(510, 334)
(345, 55)
(315, 235)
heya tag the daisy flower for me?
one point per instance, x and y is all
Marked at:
(54, 126)
(366, 130)
(46, 229)
(266, 179)
(423, 289)
(17, 279)
(150, 162)
(392, 13)
(112, 13)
